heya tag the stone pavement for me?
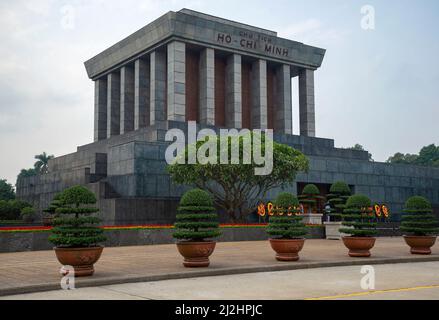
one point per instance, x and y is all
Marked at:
(413, 281)
(26, 272)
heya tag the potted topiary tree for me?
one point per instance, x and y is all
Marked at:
(50, 212)
(421, 224)
(309, 198)
(358, 221)
(196, 221)
(286, 228)
(337, 197)
(76, 235)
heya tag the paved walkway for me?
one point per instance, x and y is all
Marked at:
(38, 271)
(412, 281)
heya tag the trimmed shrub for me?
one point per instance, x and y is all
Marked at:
(339, 194)
(309, 197)
(55, 204)
(359, 215)
(196, 219)
(286, 224)
(75, 230)
(418, 218)
(311, 189)
(28, 214)
(340, 187)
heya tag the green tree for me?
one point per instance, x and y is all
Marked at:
(24, 173)
(7, 191)
(286, 224)
(418, 218)
(358, 214)
(428, 156)
(235, 187)
(339, 193)
(359, 147)
(403, 158)
(42, 163)
(310, 197)
(197, 219)
(77, 229)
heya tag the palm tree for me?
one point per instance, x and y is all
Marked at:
(42, 164)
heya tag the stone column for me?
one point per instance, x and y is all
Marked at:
(233, 92)
(259, 95)
(113, 104)
(126, 99)
(157, 87)
(100, 127)
(176, 81)
(141, 94)
(207, 87)
(306, 103)
(283, 122)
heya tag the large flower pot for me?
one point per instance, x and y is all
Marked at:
(81, 259)
(359, 246)
(287, 249)
(420, 244)
(196, 254)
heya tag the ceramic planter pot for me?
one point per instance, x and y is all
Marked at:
(359, 246)
(81, 259)
(196, 254)
(420, 244)
(287, 249)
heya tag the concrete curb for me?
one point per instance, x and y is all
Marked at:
(83, 283)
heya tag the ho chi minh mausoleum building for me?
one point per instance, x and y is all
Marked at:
(222, 74)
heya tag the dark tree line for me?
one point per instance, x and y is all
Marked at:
(427, 156)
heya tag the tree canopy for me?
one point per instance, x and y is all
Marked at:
(41, 166)
(427, 156)
(7, 191)
(42, 163)
(235, 187)
(24, 173)
(359, 147)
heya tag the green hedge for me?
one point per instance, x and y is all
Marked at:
(54, 205)
(418, 218)
(196, 219)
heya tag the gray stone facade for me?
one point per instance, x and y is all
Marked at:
(259, 95)
(128, 173)
(233, 92)
(176, 81)
(207, 87)
(141, 91)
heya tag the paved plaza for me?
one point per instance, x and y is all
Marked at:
(393, 281)
(28, 272)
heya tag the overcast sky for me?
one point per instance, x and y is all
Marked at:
(379, 88)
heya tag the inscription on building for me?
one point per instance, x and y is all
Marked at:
(252, 41)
